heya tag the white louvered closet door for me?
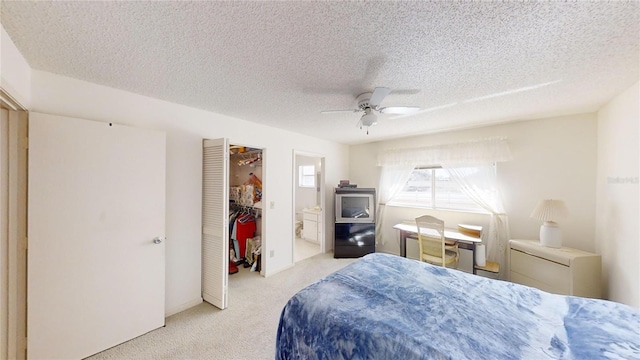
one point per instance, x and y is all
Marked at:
(215, 222)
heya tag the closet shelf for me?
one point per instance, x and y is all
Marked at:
(252, 152)
(253, 157)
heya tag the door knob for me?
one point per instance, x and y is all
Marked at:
(157, 239)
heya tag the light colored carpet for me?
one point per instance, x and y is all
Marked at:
(245, 330)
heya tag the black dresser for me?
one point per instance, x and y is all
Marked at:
(354, 240)
(355, 222)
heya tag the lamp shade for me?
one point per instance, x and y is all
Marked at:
(550, 210)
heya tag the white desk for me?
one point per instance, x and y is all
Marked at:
(464, 241)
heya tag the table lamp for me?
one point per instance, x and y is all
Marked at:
(550, 211)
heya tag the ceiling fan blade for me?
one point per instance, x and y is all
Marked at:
(340, 111)
(402, 110)
(378, 95)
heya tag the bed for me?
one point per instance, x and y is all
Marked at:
(388, 307)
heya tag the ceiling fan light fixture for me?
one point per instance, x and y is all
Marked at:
(369, 118)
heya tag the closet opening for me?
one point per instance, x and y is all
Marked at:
(232, 219)
(245, 211)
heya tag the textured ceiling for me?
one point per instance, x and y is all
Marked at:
(464, 64)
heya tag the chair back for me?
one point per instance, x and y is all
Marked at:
(431, 239)
(434, 248)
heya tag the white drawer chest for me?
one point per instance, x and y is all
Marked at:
(311, 224)
(557, 270)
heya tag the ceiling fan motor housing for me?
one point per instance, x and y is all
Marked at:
(363, 100)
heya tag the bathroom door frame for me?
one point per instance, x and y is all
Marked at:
(322, 188)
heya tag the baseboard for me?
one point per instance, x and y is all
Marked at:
(289, 266)
(182, 307)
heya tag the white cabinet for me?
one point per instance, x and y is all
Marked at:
(557, 270)
(311, 224)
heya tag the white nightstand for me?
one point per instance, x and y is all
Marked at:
(558, 270)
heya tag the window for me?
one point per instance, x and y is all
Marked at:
(434, 188)
(307, 176)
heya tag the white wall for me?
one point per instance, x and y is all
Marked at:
(552, 158)
(617, 236)
(15, 72)
(185, 128)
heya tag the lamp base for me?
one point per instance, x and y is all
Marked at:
(550, 235)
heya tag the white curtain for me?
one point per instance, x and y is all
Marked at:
(470, 152)
(397, 165)
(480, 184)
(392, 179)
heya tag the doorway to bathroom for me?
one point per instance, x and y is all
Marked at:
(308, 205)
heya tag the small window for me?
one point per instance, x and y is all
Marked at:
(307, 176)
(433, 188)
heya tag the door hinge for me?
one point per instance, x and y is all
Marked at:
(25, 243)
(25, 144)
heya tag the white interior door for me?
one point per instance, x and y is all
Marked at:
(215, 222)
(96, 202)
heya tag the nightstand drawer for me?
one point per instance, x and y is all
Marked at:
(546, 275)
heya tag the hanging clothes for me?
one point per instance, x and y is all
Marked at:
(233, 242)
(242, 226)
(245, 228)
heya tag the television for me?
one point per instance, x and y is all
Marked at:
(355, 205)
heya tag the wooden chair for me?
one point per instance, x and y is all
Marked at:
(434, 249)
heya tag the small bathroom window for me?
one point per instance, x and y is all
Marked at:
(307, 176)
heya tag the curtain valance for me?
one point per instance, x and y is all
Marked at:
(463, 153)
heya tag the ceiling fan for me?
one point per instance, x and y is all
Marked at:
(369, 105)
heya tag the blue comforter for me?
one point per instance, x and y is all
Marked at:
(388, 307)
